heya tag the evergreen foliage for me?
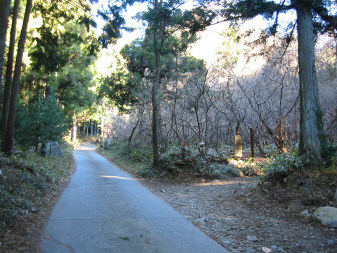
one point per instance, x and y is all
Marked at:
(112, 28)
(120, 88)
(278, 167)
(39, 122)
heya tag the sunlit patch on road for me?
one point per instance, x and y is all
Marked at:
(86, 146)
(117, 177)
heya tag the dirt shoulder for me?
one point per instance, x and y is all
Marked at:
(229, 212)
(24, 233)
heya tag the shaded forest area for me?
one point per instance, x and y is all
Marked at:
(162, 112)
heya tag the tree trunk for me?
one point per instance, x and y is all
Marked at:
(9, 73)
(74, 128)
(156, 114)
(252, 142)
(9, 138)
(96, 128)
(133, 131)
(4, 15)
(311, 122)
(156, 92)
(102, 125)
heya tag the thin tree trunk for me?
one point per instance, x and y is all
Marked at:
(252, 142)
(102, 125)
(74, 128)
(9, 73)
(311, 122)
(156, 114)
(4, 15)
(133, 131)
(9, 138)
(156, 93)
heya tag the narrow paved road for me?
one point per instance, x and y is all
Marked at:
(106, 210)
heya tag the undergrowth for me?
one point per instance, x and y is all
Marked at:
(180, 162)
(26, 177)
(131, 157)
(276, 168)
(288, 179)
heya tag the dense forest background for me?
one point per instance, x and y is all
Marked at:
(157, 93)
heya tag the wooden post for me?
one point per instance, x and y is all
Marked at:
(252, 142)
(238, 145)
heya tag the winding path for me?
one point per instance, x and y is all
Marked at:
(106, 210)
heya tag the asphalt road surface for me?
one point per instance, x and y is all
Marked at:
(106, 210)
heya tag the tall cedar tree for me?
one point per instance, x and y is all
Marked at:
(9, 71)
(8, 146)
(313, 16)
(158, 27)
(4, 15)
(61, 55)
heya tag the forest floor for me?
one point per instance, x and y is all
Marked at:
(239, 216)
(30, 186)
(25, 234)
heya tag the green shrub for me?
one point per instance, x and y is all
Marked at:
(39, 122)
(232, 171)
(187, 160)
(280, 166)
(132, 157)
(330, 154)
(210, 170)
(249, 168)
(179, 160)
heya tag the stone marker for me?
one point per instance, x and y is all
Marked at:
(52, 149)
(238, 145)
(108, 142)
